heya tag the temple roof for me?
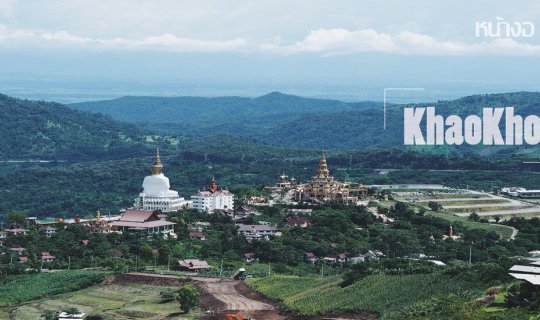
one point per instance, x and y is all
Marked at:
(323, 167)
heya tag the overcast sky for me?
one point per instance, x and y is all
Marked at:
(277, 33)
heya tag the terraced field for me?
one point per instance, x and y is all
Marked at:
(464, 202)
(111, 301)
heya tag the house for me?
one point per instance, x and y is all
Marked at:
(23, 259)
(17, 231)
(194, 265)
(310, 257)
(330, 259)
(197, 236)
(46, 256)
(249, 257)
(84, 243)
(194, 228)
(48, 231)
(68, 316)
(357, 259)
(17, 249)
(297, 221)
(3, 234)
(256, 232)
(143, 221)
(416, 256)
(301, 211)
(373, 255)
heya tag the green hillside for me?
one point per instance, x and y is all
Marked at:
(44, 130)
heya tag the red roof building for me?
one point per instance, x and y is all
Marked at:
(197, 235)
(146, 221)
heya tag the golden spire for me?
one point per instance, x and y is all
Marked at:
(157, 168)
(323, 167)
(98, 215)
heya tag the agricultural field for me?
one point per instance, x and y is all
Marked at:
(110, 301)
(21, 288)
(381, 294)
(505, 231)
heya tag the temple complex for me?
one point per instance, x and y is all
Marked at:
(213, 198)
(156, 192)
(322, 187)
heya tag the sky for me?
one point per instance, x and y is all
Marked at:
(343, 49)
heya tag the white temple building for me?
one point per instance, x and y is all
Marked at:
(213, 198)
(156, 192)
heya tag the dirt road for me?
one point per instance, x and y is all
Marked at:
(226, 291)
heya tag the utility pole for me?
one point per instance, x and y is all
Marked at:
(92, 262)
(268, 268)
(221, 269)
(169, 263)
(69, 262)
(322, 269)
(470, 253)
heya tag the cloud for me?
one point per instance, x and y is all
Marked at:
(336, 41)
(166, 41)
(342, 41)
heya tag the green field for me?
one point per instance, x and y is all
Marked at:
(381, 294)
(504, 231)
(108, 301)
(21, 288)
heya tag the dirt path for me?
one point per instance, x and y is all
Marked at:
(225, 291)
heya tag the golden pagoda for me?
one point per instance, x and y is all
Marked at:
(322, 187)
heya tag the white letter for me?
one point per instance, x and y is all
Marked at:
(532, 130)
(434, 127)
(473, 130)
(527, 34)
(491, 126)
(454, 134)
(484, 26)
(412, 118)
(514, 128)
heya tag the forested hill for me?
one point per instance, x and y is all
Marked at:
(43, 130)
(199, 115)
(301, 122)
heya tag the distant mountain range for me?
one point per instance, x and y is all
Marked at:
(288, 120)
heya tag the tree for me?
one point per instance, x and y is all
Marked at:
(434, 206)
(474, 216)
(50, 315)
(17, 217)
(188, 297)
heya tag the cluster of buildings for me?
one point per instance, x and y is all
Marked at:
(157, 195)
(520, 192)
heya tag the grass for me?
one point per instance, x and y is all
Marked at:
(110, 302)
(21, 288)
(504, 231)
(380, 294)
